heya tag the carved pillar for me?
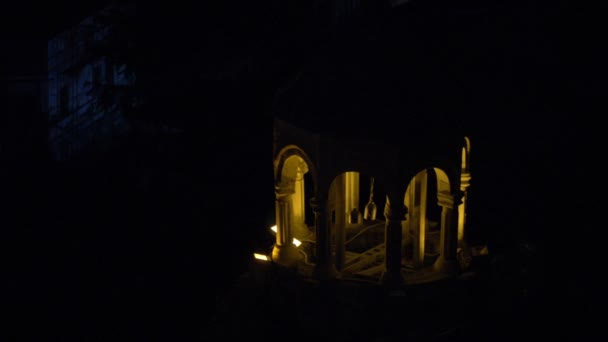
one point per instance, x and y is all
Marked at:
(298, 201)
(351, 188)
(448, 244)
(465, 179)
(284, 253)
(324, 268)
(394, 212)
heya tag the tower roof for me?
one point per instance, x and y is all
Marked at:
(374, 84)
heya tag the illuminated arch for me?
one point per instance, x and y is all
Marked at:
(443, 181)
(291, 166)
(284, 155)
(466, 155)
(417, 224)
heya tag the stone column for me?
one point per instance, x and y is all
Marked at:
(324, 268)
(284, 253)
(394, 212)
(299, 217)
(465, 182)
(447, 262)
(351, 188)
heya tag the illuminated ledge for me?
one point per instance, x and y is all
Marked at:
(423, 276)
(372, 275)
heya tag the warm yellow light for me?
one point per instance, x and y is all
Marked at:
(260, 256)
(295, 241)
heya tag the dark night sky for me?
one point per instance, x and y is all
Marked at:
(33, 20)
(26, 26)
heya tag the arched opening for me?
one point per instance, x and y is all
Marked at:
(355, 207)
(294, 241)
(294, 185)
(466, 155)
(421, 235)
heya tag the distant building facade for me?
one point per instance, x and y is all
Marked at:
(84, 85)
